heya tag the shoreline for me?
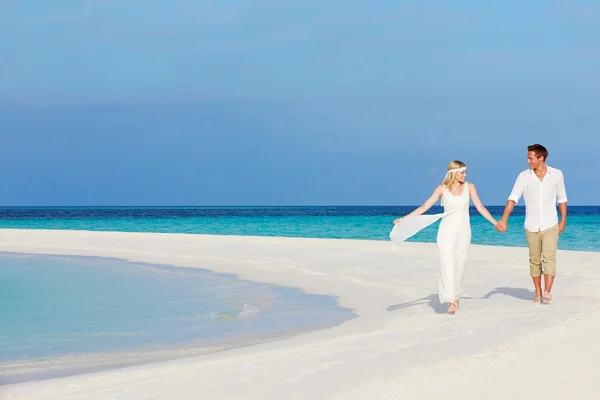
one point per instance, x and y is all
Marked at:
(41, 367)
(401, 334)
(74, 365)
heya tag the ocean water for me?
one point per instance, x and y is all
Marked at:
(372, 223)
(62, 314)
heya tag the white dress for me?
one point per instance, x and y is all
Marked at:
(453, 240)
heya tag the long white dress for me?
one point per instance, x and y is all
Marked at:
(453, 240)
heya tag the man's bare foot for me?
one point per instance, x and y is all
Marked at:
(537, 298)
(547, 297)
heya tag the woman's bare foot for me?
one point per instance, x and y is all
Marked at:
(452, 308)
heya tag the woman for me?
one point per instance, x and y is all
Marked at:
(454, 234)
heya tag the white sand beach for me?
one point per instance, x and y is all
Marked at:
(402, 345)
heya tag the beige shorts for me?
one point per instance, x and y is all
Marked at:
(542, 251)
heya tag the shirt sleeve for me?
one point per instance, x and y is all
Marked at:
(517, 190)
(561, 191)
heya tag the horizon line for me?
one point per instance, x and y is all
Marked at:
(248, 206)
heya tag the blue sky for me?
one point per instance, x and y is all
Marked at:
(291, 102)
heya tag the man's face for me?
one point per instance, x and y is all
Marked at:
(533, 161)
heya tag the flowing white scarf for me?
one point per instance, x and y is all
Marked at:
(408, 227)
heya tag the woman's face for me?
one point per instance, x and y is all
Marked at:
(460, 176)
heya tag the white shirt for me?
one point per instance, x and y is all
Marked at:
(540, 197)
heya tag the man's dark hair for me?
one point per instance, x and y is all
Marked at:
(539, 150)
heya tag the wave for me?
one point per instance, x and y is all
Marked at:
(245, 310)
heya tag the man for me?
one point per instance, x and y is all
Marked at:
(541, 187)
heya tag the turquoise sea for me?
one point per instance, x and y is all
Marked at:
(64, 315)
(361, 222)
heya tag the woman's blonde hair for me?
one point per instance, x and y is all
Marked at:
(449, 179)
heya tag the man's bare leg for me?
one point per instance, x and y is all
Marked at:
(537, 282)
(548, 282)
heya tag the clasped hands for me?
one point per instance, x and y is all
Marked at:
(501, 226)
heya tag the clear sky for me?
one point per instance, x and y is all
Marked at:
(292, 102)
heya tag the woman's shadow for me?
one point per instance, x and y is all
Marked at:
(432, 301)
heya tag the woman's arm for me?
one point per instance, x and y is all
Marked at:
(437, 193)
(477, 202)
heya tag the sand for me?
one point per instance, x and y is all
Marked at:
(402, 345)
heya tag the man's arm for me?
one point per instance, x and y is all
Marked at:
(561, 195)
(513, 199)
(563, 217)
(503, 223)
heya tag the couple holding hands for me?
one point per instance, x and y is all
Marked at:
(541, 187)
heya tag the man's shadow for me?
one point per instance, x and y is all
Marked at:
(518, 293)
(432, 301)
